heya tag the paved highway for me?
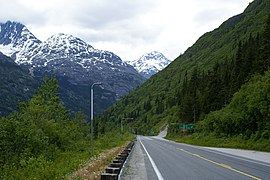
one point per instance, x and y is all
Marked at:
(168, 160)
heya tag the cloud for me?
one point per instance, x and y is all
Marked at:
(215, 12)
(105, 12)
(16, 10)
(127, 27)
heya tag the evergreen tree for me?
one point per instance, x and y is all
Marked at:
(266, 44)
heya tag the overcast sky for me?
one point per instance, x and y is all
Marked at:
(129, 28)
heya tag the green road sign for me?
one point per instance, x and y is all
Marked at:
(188, 127)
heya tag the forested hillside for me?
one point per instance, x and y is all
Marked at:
(203, 79)
(247, 114)
(16, 85)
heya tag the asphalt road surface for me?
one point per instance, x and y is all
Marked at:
(157, 158)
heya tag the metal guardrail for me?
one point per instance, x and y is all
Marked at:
(113, 171)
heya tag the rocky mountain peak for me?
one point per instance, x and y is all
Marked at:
(66, 41)
(152, 55)
(15, 37)
(150, 63)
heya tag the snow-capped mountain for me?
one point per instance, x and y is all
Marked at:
(61, 46)
(15, 38)
(75, 62)
(68, 56)
(150, 63)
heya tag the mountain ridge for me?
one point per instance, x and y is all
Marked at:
(71, 60)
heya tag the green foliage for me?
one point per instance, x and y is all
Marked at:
(42, 140)
(247, 114)
(65, 162)
(16, 85)
(35, 130)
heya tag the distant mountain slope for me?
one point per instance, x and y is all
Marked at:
(222, 42)
(16, 85)
(155, 102)
(150, 63)
(75, 63)
(71, 57)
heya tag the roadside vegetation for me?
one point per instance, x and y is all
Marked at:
(244, 123)
(44, 141)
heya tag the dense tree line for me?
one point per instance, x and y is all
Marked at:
(246, 115)
(41, 128)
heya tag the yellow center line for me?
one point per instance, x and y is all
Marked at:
(219, 164)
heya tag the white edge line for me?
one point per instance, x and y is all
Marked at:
(152, 162)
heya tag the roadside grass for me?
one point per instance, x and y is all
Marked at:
(211, 140)
(66, 162)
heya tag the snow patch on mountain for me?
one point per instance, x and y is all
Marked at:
(8, 50)
(64, 46)
(150, 63)
(67, 57)
(16, 38)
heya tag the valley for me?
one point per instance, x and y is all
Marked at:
(219, 87)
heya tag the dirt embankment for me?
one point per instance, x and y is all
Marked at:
(93, 169)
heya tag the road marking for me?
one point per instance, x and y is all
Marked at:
(235, 156)
(243, 158)
(219, 164)
(150, 139)
(160, 177)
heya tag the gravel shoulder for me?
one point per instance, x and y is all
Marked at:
(135, 168)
